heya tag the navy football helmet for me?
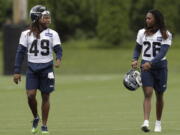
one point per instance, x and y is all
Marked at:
(37, 12)
(132, 80)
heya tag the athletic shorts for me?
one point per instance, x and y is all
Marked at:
(43, 80)
(156, 78)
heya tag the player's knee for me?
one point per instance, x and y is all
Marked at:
(147, 95)
(159, 97)
(45, 97)
(31, 96)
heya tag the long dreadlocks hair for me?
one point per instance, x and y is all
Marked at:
(159, 24)
(36, 29)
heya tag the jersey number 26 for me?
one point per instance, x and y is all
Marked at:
(155, 48)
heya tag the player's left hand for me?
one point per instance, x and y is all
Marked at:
(146, 66)
(58, 63)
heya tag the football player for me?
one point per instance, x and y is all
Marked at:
(153, 43)
(38, 42)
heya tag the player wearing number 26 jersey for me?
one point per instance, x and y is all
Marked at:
(151, 45)
(153, 42)
(38, 43)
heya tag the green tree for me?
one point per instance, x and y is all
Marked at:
(171, 11)
(32, 3)
(113, 21)
(138, 10)
(74, 16)
(6, 11)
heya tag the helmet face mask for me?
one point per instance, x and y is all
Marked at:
(37, 12)
(45, 18)
(132, 80)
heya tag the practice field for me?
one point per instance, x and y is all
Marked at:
(90, 98)
(88, 105)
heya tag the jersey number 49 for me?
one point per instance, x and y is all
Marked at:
(44, 48)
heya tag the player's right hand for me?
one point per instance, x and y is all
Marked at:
(17, 78)
(134, 64)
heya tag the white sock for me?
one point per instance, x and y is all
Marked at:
(146, 121)
(158, 122)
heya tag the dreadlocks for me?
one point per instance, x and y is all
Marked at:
(159, 24)
(35, 29)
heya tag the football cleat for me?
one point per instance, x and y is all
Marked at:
(145, 126)
(158, 126)
(145, 129)
(44, 130)
(35, 125)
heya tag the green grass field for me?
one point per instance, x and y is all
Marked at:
(90, 98)
(88, 105)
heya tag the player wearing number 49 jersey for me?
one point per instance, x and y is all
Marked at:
(40, 50)
(38, 42)
(153, 43)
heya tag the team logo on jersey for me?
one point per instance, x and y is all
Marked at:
(159, 39)
(49, 34)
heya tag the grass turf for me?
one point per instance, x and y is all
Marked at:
(89, 97)
(88, 105)
(105, 61)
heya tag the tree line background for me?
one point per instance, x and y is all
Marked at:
(109, 21)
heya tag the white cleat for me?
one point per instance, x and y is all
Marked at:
(158, 126)
(145, 126)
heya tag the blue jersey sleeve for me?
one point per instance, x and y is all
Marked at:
(161, 54)
(137, 51)
(58, 50)
(21, 51)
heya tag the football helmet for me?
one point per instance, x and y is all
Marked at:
(132, 80)
(37, 12)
